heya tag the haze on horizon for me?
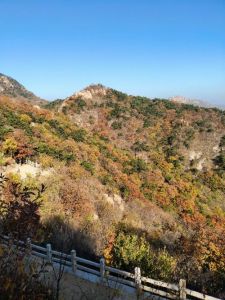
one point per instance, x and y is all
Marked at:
(151, 48)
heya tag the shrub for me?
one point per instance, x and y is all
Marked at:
(78, 105)
(56, 153)
(140, 146)
(147, 123)
(9, 146)
(116, 125)
(135, 166)
(16, 121)
(88, 166)
(58, 128)
(119, 95)
(20, 213)
(130, 251)
(169, 104)
(222, 141)
(124, 191)
(220, 160)
(117, 111)
(3, 131)
(106, 179)
(79, 135)
(164, 265)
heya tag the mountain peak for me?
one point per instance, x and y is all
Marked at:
(13, 89)
(91, 92)
(8, 85)
(95, 86)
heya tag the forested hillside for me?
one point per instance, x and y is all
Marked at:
(12, 88)
(139, 181)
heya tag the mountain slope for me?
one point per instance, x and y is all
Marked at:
(134, 122)
(12, 88)
(121, 177)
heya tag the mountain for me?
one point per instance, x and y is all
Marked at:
(124, 175)
(12, 88)
(93, 94)
(184, 100)
(199, 103)
(192, 132)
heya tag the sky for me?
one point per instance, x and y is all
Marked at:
(153, 48)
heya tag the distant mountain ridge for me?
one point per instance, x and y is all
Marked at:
(196, 102)
(99, 91)
(12, 88)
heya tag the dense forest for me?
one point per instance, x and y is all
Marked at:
(139, 181)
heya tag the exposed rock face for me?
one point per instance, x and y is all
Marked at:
(92, 93)
(13, 89)
(28, 169)
(115, 200)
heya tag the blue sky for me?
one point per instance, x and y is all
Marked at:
(156, 48)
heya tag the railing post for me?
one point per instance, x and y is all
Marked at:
(74, 261)
(182, 289)
(137, 278)
(49, 253)
(29, 246)
(102, 269)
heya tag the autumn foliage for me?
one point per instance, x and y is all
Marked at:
(121, 171)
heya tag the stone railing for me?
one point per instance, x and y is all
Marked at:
(101, 273)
